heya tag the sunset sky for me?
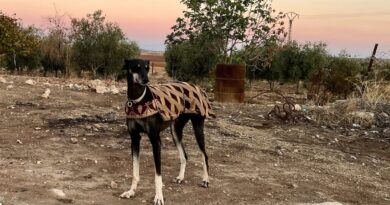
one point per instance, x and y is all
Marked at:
(354, 25)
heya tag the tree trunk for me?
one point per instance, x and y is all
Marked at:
(94, 71)
(297, 87)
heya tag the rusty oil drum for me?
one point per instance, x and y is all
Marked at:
(230, 83)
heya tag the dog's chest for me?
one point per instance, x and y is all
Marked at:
(137, 125)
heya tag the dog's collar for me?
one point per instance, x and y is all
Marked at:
(131, 102)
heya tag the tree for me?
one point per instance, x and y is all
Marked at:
(20, 45)
(190, 60)
(54, 51)
(229, 24)
(98, 46)
(56, 48)
(342, 74)
(295, 63)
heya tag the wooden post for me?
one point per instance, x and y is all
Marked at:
(369, 69)
(372, 59)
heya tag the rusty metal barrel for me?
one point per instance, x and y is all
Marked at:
(230, 83)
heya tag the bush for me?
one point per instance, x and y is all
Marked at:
(343, 75)
(190, 60)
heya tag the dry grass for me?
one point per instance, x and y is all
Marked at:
(374, 94)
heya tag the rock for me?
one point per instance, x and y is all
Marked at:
(113, 185)
(94, 83)
(123, 89)
(279, 150)
(365, 119)
(297, 107)
(74, 140)
(2, 80)
(323, 203)
(114, 90)
(101, 89)
(46, 93)
(77, 87)
(58, 192)
(9, 87)
(383, 115)
(292, 186)
(19, 141)
(30, 82)
(356, 125)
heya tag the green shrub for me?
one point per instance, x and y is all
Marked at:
(190, 60)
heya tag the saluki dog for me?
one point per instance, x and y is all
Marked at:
(151, 109)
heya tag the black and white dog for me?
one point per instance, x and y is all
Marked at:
(139, 93)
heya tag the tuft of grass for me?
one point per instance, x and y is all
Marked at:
(374, 94)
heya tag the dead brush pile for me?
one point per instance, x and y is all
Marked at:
(367, 109)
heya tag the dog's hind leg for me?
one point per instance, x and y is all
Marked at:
(177, 134)
(198, 124)
(135, 148)
(154, 137)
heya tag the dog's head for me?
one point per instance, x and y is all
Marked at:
(137, 71)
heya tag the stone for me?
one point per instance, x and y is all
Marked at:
(58, 192)
(30, 82)
(101, 89)
(114, 90)
(113, 185)
(46, 93)
(2, 80)
(323, 203)
(297, 107)
(74, 140)
(365, 119)
(9, 87)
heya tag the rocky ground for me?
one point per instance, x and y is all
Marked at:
(70, 146)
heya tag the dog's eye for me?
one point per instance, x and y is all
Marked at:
(139, 65)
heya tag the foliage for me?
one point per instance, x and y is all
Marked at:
(229, 24)
(55, 46)
(343, 75)
(190, 60)
(338, 79)
(20, 45)
(100, 46)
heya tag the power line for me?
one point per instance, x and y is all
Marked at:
(291, 17)
(347, 15)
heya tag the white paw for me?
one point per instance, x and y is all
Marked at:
(128, 194)
(158, 200)
(179, 180)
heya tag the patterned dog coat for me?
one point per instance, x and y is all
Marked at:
(171, 100)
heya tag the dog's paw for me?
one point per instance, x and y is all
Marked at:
(128, 194)
(204, 184)
(158, 200)
(178, 180)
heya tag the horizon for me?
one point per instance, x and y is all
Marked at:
(339, 24)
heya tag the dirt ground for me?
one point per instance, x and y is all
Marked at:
(76, 141)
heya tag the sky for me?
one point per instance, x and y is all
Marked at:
(353, 25)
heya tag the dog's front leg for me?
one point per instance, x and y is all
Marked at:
(154, 137)
(135, 148)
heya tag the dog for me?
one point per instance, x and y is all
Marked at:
(151, 109)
